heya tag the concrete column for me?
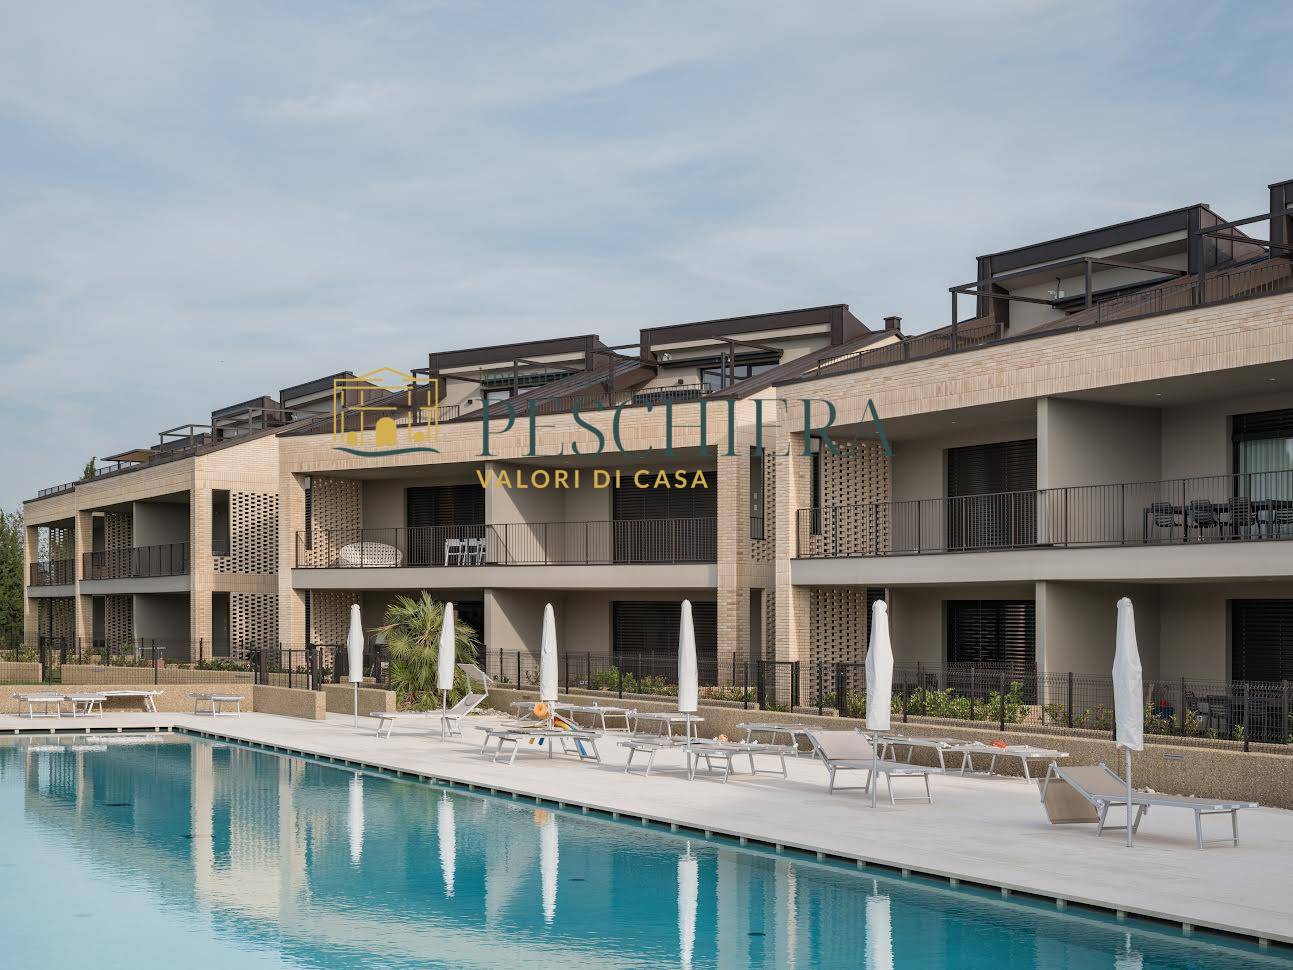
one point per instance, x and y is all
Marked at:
(30, 615)
(733, 548)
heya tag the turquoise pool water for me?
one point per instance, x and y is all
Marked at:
(158, 851)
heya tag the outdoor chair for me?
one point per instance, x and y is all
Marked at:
(851, 751)
(1201, 514)
(1161, 515)
(1102, 788)
(1239, 517)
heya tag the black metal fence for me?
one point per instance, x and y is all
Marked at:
(76, 661)
(668, 540)
(1247, 507)
(52, 572)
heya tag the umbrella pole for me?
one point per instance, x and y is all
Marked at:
(1127, 753)
(356, 717)
(875, 768)
(444, 709)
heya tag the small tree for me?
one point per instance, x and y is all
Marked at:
(87, 472)
(412, 633)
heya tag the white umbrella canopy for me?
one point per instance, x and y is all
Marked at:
(548, 856)
(688, 688)
(688, 896)
(879, 670)
(1128, 694)
(355, 646)
(879, 684)
(448, 836)
(355, 654)
(548, 657)
(444, 666)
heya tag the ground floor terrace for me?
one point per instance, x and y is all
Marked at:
(985, 832)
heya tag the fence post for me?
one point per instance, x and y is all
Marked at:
(588, 671)
(262, 661)
(841, 690)
(760, 688)
(1069, 705)
(1180, 717)
(1247, 720)
(567, 673)
(156, 678)
(518, 670)
(745, 682)
(906, 697)
(820, 674)
(619, 680)
(794, 685)
(1001, 702)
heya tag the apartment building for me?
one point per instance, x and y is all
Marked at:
(1109, 413)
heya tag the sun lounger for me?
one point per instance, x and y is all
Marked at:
(83, 705)
(890, 743)
(1023, 753)
(851, 751)
(51, 704)
(216, 701)
(1102, 788)
(450, 720)
(581, 743)
(145, 696)
(725, 754)
(599, 714)
(773, 730)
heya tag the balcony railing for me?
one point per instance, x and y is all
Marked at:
(52, 572)
(1221, 508)
(141, 562)
(628, 541)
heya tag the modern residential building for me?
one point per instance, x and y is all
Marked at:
(1108, 413)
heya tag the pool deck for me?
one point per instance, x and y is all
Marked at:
(989, 831)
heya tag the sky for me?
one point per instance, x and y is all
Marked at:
(201, 203)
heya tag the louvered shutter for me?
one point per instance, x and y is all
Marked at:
(1261, 642)
(997, 633)
(645, 636)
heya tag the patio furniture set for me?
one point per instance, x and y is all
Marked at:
(90, 703)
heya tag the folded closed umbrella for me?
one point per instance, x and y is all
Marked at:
(688, 679)
(879, 683)
(548, 659)
(355, 654)
(444, 663)
(1128, 694)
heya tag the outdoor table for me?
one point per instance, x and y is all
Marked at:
(1024, 752)
(513, 736)
(667, 719)
(727, 753)
(44, 699)
(83, 705)
(772, 730)
(598, 712)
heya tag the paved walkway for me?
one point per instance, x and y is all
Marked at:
(986, 830)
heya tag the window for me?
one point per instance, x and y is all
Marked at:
(437, 514)
(309, 514)
(756, 495)
(219, 522)
(815, 484)
(991, 491)
(1261, 640)
(999, 634)
(1263, 461)
(719, 377)
(645, 637)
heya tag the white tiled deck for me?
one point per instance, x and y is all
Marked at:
(989, 831)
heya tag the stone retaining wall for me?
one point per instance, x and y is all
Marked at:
(1168, 768)
(19, 671)
(340, 699)
(173, 699)
(288, 702)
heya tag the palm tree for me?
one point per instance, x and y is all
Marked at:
(412, 632)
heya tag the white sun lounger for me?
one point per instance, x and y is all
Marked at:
(599, 713)
(216, 701)
(145, 696)
(1103, 789)
(851, 751)
(51, 704)
(450, 720)
(1023, 753)
(83, 705)
(725, 753)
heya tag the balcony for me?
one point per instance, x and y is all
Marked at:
(52, 572)
(1250, 507)
(630, 541)
(141, 562)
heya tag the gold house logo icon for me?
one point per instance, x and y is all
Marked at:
(384, 412)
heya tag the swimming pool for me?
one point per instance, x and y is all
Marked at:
(158, 850)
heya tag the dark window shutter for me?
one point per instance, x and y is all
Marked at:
(631, 502)
(1261, 640)
(996, 633)
(1003, 466)
(1263, 424)
(646, 632)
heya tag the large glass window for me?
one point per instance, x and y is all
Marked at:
(1263, 444)
(713, 377)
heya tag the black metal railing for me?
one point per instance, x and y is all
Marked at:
(1220, 508)
(987, 695)
(627, 541)
(140, 562)
(55, 489)
(52, 572)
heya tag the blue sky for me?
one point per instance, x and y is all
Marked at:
(204, 202)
